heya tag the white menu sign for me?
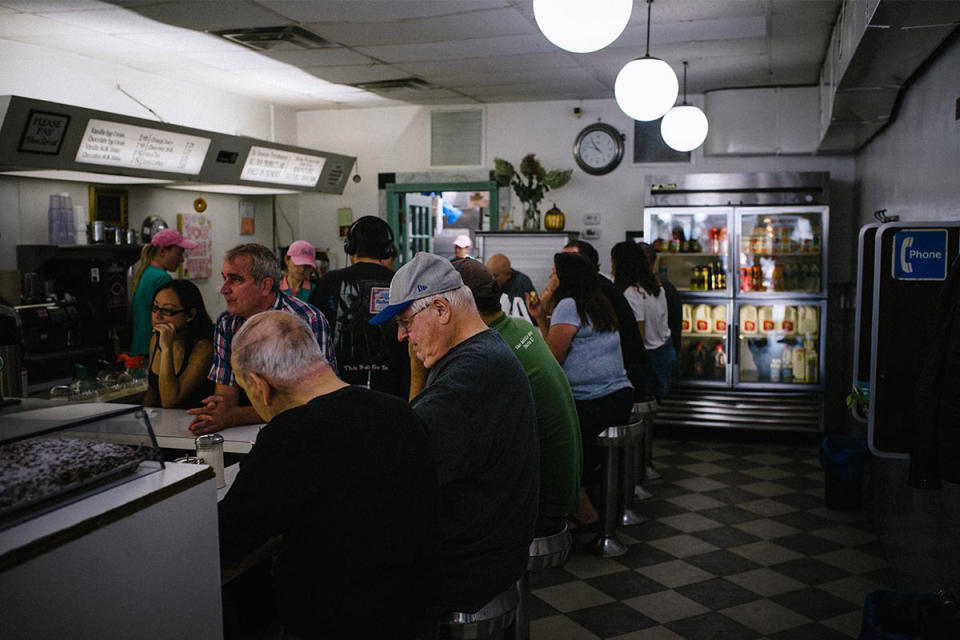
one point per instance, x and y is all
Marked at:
(126, 145)
(282, 167)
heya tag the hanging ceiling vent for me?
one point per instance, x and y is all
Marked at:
(394, 85)
(275, 38)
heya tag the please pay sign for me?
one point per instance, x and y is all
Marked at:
(920, 254)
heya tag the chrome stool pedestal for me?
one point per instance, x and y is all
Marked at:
(487, 623)
(545, 552)
(616, 439)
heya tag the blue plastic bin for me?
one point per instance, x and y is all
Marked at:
(844, 459)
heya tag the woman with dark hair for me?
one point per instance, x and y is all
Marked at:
(181, 348)
(634, 275)
(582, 335)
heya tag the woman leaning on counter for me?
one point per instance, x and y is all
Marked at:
(181, 348)
(163, 254)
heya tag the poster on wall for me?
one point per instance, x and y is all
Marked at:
(197, 262)
(247, 220)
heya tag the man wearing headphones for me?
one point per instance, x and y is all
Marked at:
(367, 355)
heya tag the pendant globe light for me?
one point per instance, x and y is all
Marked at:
(647, 87)
(582, 26)
(684, 128)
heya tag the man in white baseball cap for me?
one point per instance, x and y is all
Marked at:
(461, 246)
(478, 408)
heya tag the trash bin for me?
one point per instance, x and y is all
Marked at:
(910, 615)
(843, 459)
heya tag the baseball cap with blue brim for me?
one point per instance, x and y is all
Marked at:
(424, 276)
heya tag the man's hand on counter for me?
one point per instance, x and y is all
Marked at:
(213, 415)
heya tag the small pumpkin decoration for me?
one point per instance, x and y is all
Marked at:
(554, 220)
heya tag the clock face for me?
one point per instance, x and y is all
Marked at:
(598, 149)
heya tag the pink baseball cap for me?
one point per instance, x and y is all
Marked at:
(302, 252)
(169, 238)
(462, 241)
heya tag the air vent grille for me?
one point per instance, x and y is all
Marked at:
(393, 85)
(275, 38)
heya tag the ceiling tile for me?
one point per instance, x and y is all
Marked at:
(334, 56)
(374, 11)
(497, 22)
(356, 73)
(45, 6)
(552, 60)
(213, 16)
(184, 41)
(24, 24)
(113, 21)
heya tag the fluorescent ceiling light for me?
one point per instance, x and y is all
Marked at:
(232, 189)
(83, 176)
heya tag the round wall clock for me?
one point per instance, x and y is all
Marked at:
(598, 149)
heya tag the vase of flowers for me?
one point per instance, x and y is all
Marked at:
(530, 184)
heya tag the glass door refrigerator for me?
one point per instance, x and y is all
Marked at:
(693, 253)
(747, 255)
(780, 298)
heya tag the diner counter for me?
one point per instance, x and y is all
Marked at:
(170, 426)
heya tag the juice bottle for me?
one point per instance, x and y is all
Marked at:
(748, 320)
(719, 362)
(789, 323)
(787, 368)
(699, 361)
(765, 319)
(799, 363)
(808, 320)
(813, 363)
(687, 318)
(702, 318)
(720, 318)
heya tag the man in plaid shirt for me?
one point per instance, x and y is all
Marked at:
(251, 284)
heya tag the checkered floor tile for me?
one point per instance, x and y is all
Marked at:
(738, 545)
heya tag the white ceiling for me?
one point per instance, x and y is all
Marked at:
(465, 50)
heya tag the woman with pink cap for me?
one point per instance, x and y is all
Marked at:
(300, 261)
(163, 254)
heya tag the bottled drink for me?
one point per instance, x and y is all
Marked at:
(814, 277)
(813, 364)
(699, 361)
(694, 278)
(687, 318)
(719, 362)
(799, 363)
(786, 358)
(775, 369)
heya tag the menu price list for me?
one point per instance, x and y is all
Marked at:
(282, 167)
(122, 145)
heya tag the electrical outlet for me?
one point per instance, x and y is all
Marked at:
(591, 234)
(591, 218)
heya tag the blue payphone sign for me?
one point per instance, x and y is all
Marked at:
(920, 254)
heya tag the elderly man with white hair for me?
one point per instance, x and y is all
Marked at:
(346, 477)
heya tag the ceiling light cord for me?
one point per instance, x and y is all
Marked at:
(684, 82)
(121, 90)
(649, 7)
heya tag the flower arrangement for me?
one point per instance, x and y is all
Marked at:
(530, 184)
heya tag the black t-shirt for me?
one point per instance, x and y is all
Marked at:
(479, 411)
(367, 355)
(631, 342)
(348, 480)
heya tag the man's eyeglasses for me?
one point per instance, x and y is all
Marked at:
(405, 324)
(166, 312)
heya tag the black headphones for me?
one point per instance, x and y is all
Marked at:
(375, 231)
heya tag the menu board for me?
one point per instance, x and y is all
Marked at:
(282, 167)
(125, 145)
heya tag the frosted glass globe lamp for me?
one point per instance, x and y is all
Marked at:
(646, 88)
(582, 26)
(684, 128)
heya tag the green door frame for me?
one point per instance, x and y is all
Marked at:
(396, 199)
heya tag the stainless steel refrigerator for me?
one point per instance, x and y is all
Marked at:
(747, 253)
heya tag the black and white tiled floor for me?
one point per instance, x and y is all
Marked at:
(738, 546)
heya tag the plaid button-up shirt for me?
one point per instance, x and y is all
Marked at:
(228, 324)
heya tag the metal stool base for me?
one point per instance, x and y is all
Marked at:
(641, 494)
(609, 547)
(630, 517)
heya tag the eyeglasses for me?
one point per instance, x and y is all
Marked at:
(405, 324)
(165, 312)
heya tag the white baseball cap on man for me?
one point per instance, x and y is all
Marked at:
(462, 241)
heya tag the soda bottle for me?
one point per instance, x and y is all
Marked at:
(699, 361)
(719, 362)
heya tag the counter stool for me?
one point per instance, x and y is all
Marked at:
(487, 623)
(616, 439)
(646, 411)
(649, 473)
(545, 552)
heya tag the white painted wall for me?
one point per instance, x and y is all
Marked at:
(912, 168)
(397, 140)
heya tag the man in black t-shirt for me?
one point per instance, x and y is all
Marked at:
(369, 356)
(345, 477)
(478, 407)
